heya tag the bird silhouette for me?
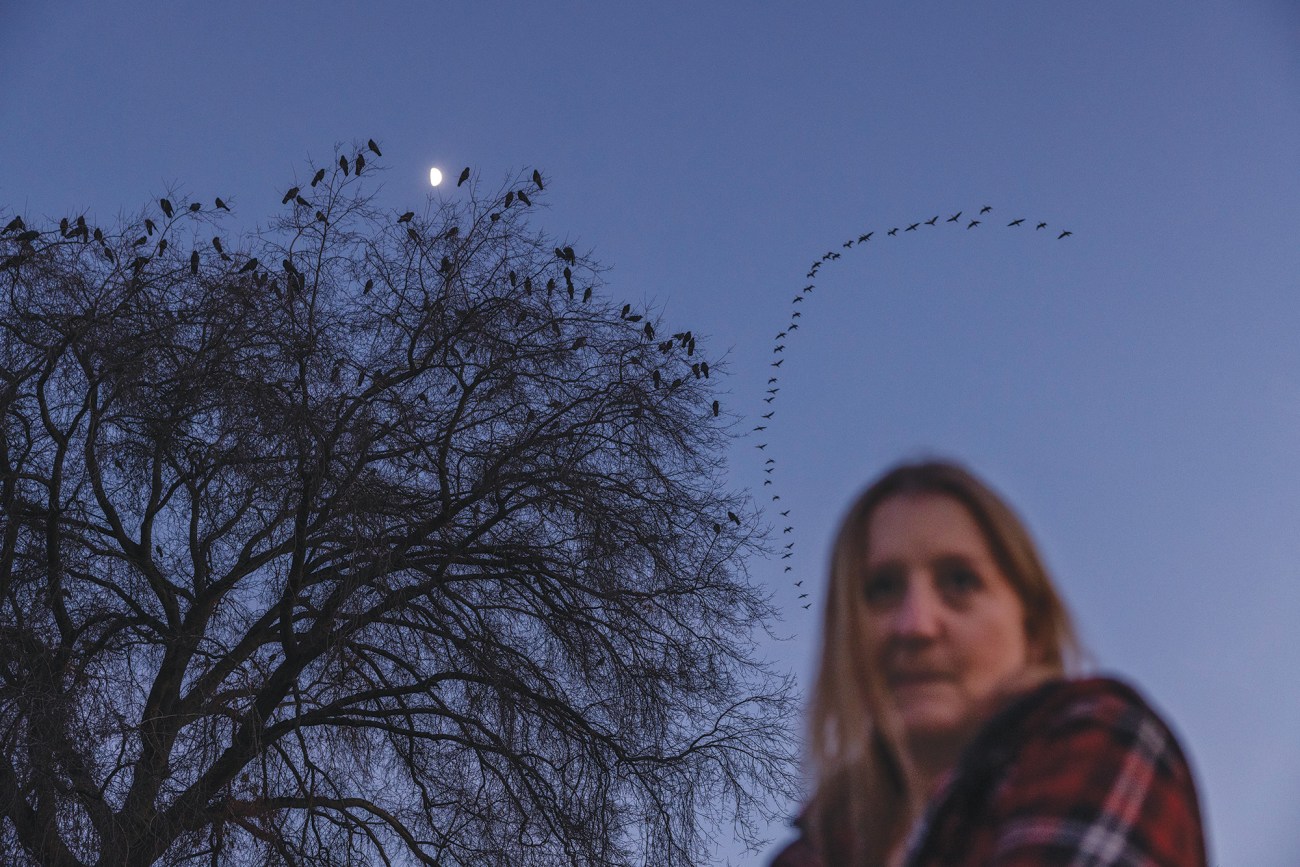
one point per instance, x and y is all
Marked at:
(893, 231)
(847, 244)
(809, 605)
(1064, 235)
(537, 178)
(407, 217)
(343, 164)
(778, 363)
(195, 207)
(803, 595)
(912, 228)
(866, 237)
(986, 209)
(932, 220)
(293, 191)
(194, 262)
(221, 204)
(1040, 226)
(769, 414)
(523, 197)
(715, 407)
(954, 218)
(358, 164)
(973, 224)
(786, 513)
(373, 147)
(464, 176)
(734, 518)
(318, 177)
(759, 427)
(1016, 222)
(798, 583)
(166, 207)
(761, 446)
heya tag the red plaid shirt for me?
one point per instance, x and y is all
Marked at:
(1078, 772)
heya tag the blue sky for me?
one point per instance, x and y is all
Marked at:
(1134, 388)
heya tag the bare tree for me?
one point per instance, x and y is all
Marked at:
(365, 538)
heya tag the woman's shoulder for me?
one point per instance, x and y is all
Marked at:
(1072, 767)
(1093, 765)
(1099, 698)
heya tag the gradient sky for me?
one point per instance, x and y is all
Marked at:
(1133, 389)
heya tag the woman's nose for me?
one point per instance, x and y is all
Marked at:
(917, 614)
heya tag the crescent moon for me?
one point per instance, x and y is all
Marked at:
(435, 177)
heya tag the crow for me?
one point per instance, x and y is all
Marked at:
(318, 177)
(912, 228)
(986, 209)
(1064, 235)
(373, 147)
(166, 207)
(932, 220)
(893, 231)
(293, 191)
(343, 164)
(537, 178)
(407, 217)
(221, 204)
(1040, 226)
(464, 176)
(866, 237)
(973, 224)
(1016, 222)
(954, 218)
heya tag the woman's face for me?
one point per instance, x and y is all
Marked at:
(944, 627)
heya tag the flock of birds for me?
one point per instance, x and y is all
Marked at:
(787, 334)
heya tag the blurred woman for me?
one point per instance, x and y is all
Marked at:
(948, 725)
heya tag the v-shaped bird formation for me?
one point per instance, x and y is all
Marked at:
(785, 336)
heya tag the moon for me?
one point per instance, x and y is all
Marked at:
(435, 177)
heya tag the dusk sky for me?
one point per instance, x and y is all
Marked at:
(1133, 388)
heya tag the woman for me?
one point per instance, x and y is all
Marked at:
(943, 727)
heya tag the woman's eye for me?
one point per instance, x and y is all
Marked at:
(960, 580)
(882, 588)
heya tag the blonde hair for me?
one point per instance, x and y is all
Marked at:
(863, 803)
